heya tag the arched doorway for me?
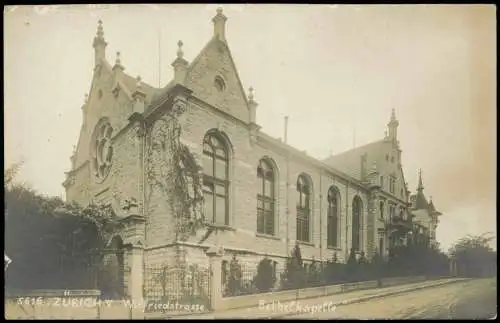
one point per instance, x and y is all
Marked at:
(111, 276)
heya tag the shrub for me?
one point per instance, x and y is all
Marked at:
(265, 278)
(234, 280)
(314, 275)
(294, 274)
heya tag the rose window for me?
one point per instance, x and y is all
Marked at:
(103, 150)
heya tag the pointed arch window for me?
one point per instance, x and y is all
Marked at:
(303, 208)
(216, 179)
(333, 218)
(357, 208)
(265, 198)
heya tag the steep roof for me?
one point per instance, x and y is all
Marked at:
(350, 161)
(421, 201)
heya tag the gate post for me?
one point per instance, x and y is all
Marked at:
(215, 259)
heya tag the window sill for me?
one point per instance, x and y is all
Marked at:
(267, 236)
(305, 243)
(220, 226)
(333, 248)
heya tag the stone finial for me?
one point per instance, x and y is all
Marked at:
(99, 44)
(219, 24)
(250, 94)
(252, 106)
(86, 98)
(139, 81)
(180, 52)
(100, 29)
(393, 115)
(118, 61)
(180, 64)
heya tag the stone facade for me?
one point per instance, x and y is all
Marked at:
(156, 161)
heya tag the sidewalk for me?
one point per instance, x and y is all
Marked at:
(281, 309)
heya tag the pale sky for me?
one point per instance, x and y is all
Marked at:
(335, 70)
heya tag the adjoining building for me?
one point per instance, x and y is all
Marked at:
(187, 168)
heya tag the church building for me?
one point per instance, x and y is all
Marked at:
(188, 168)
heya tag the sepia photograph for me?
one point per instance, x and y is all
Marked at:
(250, 161)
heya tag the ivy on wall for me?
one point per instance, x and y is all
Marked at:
(173, 171)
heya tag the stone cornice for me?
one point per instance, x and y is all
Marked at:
(166, 101)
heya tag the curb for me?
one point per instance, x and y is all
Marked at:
(367, 298)
(213, 315)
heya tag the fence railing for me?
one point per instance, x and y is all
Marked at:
(243, 278)
(189, 284)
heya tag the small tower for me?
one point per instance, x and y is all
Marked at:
(393, 127)
(99, 45)
(180, 64)
(219, 25)
(252, 106)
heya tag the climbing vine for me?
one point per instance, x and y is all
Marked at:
(172, 169)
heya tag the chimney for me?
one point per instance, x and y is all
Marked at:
(219, 25)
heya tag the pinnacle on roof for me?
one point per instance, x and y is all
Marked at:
(420, 186)
(250, 94)
(100, 29)
(219, 24)
(393, 115)
(118, 62)
(180, 52)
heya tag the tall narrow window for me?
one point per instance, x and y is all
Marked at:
(356, 223)
(333, 218)
(381, 209)
(265, 198)
(303, 208)
(216, 179)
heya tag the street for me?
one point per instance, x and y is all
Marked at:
(471, 299)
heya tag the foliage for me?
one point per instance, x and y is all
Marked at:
(265, 278)
(43, 235)
(294, 274)
(234, 282)
(474, 256)
(314, 274)
(10, 173)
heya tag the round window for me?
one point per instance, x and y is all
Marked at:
(219, 84)
(103, 150)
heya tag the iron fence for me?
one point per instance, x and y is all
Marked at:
(183, 284)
